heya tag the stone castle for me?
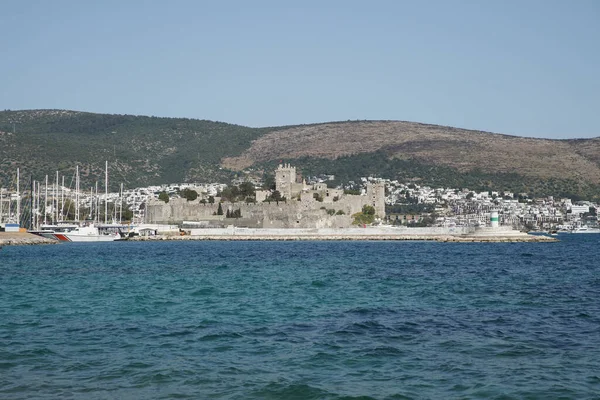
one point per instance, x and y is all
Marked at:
(304, 206)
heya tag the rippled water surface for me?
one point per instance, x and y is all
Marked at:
(301, 320)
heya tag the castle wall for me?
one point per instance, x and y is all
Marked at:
(300, 210)
(261, 195)
(283, 215)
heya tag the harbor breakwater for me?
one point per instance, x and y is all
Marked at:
(465, 234)
(357, 234)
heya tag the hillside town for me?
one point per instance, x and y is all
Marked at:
(406, 204)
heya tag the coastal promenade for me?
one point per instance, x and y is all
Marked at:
(23, 238)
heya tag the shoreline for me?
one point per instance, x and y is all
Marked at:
(341, 237)
(24, 239)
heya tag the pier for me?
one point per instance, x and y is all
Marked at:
(359, 234)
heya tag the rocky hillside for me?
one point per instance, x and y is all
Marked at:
(148, 150)
(460, 149)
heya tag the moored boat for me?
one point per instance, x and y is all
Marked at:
(48, 231)
(585, 229)
(89, 233)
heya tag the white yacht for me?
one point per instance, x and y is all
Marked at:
(585, 229)
(89, 233)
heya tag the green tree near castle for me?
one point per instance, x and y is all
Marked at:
(163, 196)
(189, 194)
(365, 217)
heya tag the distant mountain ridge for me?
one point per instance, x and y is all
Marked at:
(146, 150)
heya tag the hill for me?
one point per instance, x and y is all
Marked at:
(141, 150)
(436, 155)
(149, 150)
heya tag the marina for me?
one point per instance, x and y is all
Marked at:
(58, 214)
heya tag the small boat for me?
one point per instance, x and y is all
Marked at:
(585, 229)
(89, 233)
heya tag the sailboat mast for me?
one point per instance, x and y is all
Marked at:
(77, 193)
(46, 202)
(18, 201)
(33, 206)
(37, 219)
(97, 218)
(121, 205)
(106, 192)
(55, 201)
(62, 199)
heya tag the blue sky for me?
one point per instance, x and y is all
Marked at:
(527, 68)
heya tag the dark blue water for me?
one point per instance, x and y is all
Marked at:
(301, 320)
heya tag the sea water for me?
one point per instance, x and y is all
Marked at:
(301, 320)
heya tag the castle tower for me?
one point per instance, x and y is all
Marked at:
(376, 195)
(285, 177)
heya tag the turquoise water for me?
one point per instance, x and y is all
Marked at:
(301, 320)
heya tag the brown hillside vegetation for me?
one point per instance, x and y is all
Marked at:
(462, 149)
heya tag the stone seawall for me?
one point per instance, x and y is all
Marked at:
(22, 238)
(472, 239)
(425, 234)
(350, 232)
(360, 234)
